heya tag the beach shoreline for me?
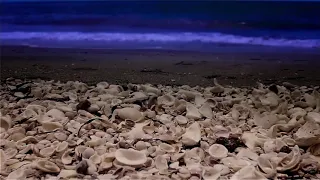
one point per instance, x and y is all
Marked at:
(165, 67)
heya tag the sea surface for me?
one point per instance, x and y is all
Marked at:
(187, 25)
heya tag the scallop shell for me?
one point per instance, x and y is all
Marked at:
(130, 157)
(47, 166)
(192, 112)
(192, 135)
(218, 151)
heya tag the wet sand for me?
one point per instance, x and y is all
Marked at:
(159, 66)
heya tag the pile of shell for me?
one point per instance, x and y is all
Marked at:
(53, 130)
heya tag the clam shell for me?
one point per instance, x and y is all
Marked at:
(47, 152)
(63, 146)
(218, 151)
(161, 163)
(130, 157)
(47, 166)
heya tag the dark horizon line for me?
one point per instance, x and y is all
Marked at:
(42, 1)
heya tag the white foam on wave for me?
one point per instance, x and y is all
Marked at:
(160, 38)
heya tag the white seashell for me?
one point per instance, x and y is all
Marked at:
(265, 121)
(66, 158)
(10, 152)
(192, 112)
(252, 140)
(199, 100)
(130, 157)
(136, 96)
(55, 113)
(87, 153)
(5, 122)
(315, 150)
(166, 148)
(248, 172)
(51, 126)
(310, 100)
(149, 89)
(247, 154)
(166, 99)
(18, 174)
(106, 161)
(235, 163)
(130, 113)
(67, 174)
(47, 152)
(103, 85)
(95, 141)
(192, 135)
(96, 159)
(210, 173)
(141, 145)
(290, 161)
(206, 111)
(79, 150)
(3, 159)
(63, 146)
(47, 166)
(60, 136)
(267, 167)
(218, 151)
(308, 134)
(161, 163)
(165, 118)
(224, 170)
(313, 116)
(181, 120)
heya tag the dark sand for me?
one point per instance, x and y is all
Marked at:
(160, 66)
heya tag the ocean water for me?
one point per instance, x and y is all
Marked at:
(198, 25)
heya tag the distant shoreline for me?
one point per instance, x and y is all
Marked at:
(159, 66)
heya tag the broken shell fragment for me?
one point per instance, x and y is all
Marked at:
(192, 135)
(47, 166)
(130, 157)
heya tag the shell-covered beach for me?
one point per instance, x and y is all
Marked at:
(71, 130)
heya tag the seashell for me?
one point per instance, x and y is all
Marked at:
(310, 100)
(188, 95)
(130, 157)
(199, 100)
(130, 113)
(161, 163)
(220, 131)
(55, 113)
(266, 121)
(248, 154)
(96, 159)
(18, 165)
(50, 126)
(252, 140)
(206, 111)
(218, 151)
(47, 152)
(314, 149)
(290, 161)
(192, 112)
(63, 146)
(192, 135)
(79, 150)
(60, 136)
(47, 166)
(165, 118)
(66, 158)
(210, 173)
(67, 174)
(5, 122)
(95, 141)
(10, 152)
(93, 108)
(181, 120)
(149, 89)
(3, 159)
(235, 163)
(18, 174)
(308, 134)
(87, 153)
(224, 170)
(267, 167)
(166, 99)
(271, 99)
(248, 172)
(106, 161)
(166, 148)
(313, 116)
(102, 85)
(141, 145)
